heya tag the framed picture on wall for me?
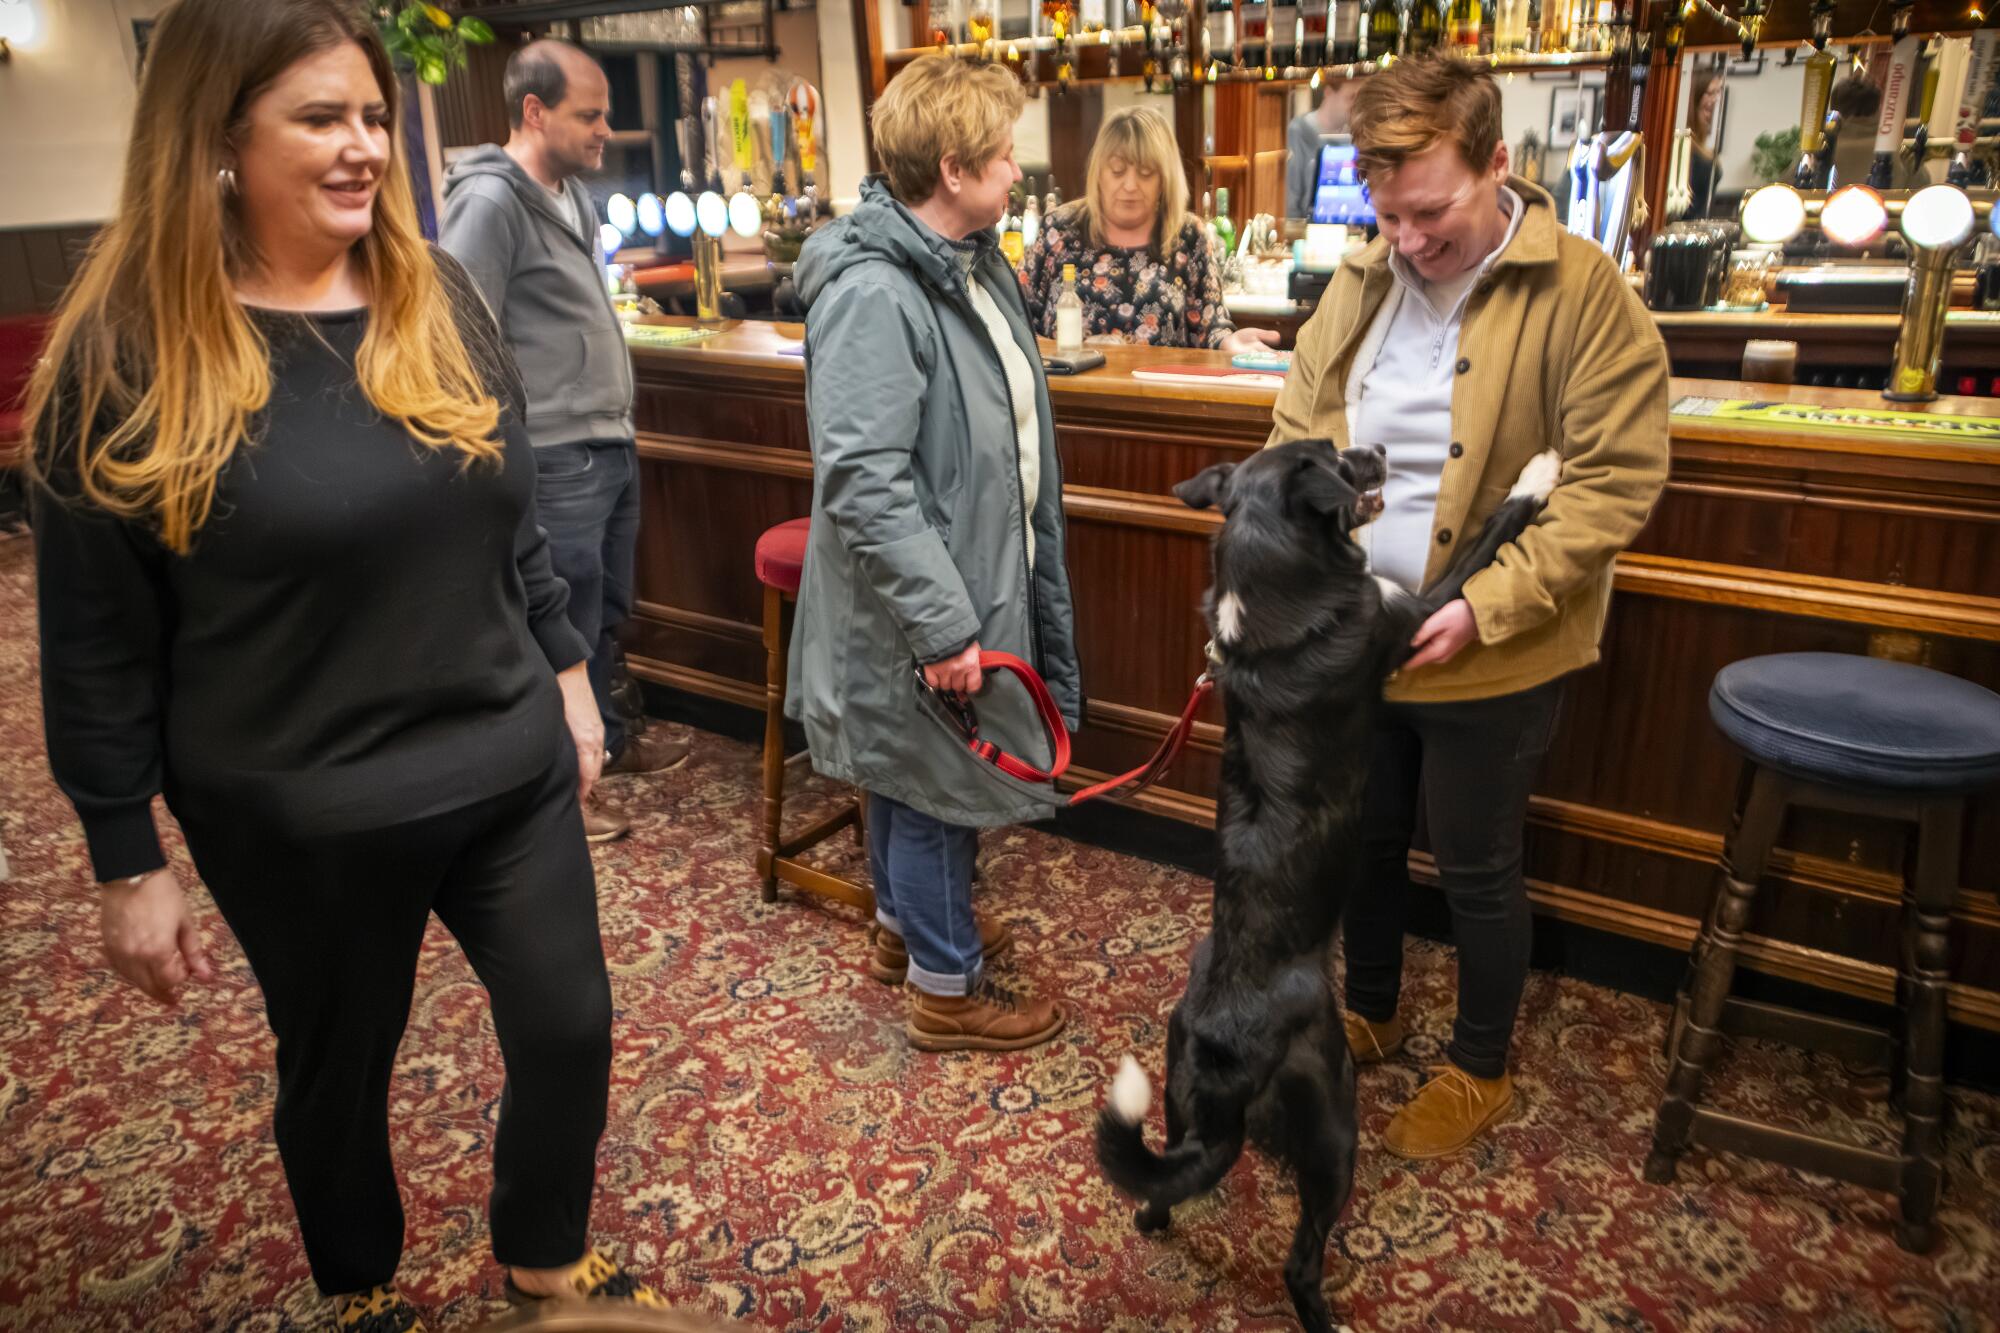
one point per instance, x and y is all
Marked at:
(1572, 114)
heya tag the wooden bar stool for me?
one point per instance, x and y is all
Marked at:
(1858, 736)
(781, 558)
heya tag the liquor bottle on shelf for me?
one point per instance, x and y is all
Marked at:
(1555, 25)
(1463, 29)
(1424, 29)
(1384, 34)
(1343, 32)
(1069, 313)
(1510, 28)
(1031, 218)
(1011, 244)
(1053, 199)
(940, 23)
(1225, 230)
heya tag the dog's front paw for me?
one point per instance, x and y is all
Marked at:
(1539, 477)
(1152, 1219)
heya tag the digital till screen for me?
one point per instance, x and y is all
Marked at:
(1338, 194)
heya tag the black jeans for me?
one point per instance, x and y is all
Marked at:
(587, 500)
(332, 927)
(1474, 765)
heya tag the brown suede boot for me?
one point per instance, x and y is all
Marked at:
(992, 1018)
(1373, 1043)
(889, 959)
(1448, 1112)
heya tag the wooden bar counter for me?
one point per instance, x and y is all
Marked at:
(1768, 539)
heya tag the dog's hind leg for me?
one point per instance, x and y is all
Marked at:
(1154, 1217)
(1322, 1160)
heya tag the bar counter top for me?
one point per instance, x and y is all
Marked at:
(1771, 536)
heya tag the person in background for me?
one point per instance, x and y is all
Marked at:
(937, 530)
(1704, 172)
(289, 576)
(523, 225)
(1473, 335)
(1859, 103)
(1142, 260)
(1328, 116)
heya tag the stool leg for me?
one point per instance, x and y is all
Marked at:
(1743, 860)
(1925, 971)
(774, 739)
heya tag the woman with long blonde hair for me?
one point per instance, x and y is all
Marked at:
(1143, 266)
(290, 578)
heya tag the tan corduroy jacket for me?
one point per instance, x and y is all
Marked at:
(1555, 351)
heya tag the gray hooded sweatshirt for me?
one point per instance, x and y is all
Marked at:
(919, 541)
(541, 277)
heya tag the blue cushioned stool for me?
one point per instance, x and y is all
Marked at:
(1860, 736)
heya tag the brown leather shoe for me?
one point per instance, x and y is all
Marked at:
(889, 961)
(1373, 1043)
(647, 754)
(601, 824)
(992, 1018)
(376, 1310)
(1447, 1113)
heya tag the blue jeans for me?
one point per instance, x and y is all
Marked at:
(923, 892)
(587, 499)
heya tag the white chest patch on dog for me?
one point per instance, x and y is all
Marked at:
(1539, 477)
(1229, 617)
(1391, 590)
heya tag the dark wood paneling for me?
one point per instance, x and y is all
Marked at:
(36, 264)
(471, 105)
(1772, 544)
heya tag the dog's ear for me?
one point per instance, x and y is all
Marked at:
(1205, 487)
(1321, 488)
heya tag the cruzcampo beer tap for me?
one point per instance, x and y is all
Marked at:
(1896, 103)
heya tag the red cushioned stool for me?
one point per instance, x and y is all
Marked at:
(781, 558)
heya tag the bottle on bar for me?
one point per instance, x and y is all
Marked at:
(1462, 30)
(1053, 199)
(1510, 27)
(1069, 313)
(1424, 29)
(1031, 218)
(1343, 31)
(1383, 36)
(1555, 25)
(1011, 244)
(1225, 230)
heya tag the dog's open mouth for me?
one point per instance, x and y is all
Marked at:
(1368, 507)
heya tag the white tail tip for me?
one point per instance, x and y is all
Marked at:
(1539, 477)
(1131, 1092)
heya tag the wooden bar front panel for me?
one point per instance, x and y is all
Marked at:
(1764, 542)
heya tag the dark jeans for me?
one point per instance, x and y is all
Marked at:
(1474, 765)
(923, 892)
(587, 500)
(332, 928)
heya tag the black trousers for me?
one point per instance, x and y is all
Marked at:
(332, 928)
(1473, 766)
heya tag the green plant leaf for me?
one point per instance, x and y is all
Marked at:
(476, 31)
(431, 69)
(409, 17)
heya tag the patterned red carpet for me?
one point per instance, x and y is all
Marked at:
(775, 1153)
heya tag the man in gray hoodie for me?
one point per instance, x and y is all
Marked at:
(524, 226)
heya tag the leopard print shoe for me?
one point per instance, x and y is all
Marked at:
(376, 1310)
(596, 1278)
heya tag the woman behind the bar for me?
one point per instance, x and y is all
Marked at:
(1142, 260)
(1704, 172)
(289, 576)
(937, 530)
(1470, 337)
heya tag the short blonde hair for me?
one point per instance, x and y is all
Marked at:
(1142, 137)
(1419, 103)
(939, 107)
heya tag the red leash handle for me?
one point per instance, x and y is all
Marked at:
(966, 723)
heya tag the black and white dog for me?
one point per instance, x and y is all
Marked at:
(1306, 638)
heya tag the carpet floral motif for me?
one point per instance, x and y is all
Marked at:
(777, 1154)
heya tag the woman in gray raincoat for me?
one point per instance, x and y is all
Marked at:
(937, 531)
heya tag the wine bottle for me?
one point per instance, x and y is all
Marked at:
(1463, 30)
(1424, 29)
(1384, 34)
(1225, 230)
(1069, 313)
(1344, 31)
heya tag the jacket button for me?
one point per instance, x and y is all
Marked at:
(1457, 450)
(1463, 365)
(1444, 537)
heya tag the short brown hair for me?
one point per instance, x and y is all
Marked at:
(1418, 103)
(939, 107)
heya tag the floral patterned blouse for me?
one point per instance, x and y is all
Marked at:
(1167, 300)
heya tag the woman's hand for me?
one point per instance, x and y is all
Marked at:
(149, 938)
(586, 726)
(1439, 639)
(1250, 340)
(956, 675)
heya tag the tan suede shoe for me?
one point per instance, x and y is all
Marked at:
(376, 1310)
(1373, 1043)
(992, 1018)
(889, 960)
(1448, 1112)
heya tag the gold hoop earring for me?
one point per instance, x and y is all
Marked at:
(226, 178)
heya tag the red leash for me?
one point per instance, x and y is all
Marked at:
(958, 716)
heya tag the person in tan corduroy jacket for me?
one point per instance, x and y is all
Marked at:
(1472, 335)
